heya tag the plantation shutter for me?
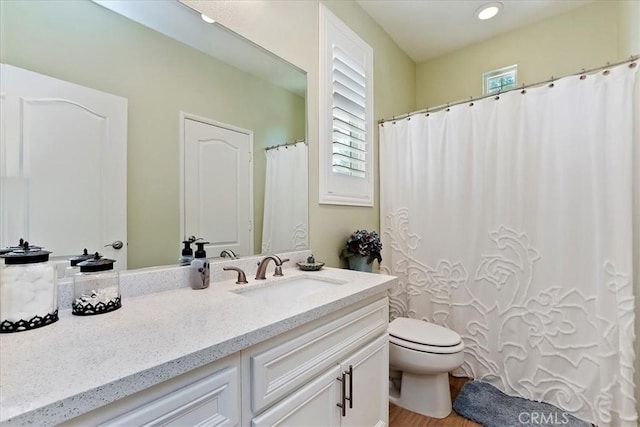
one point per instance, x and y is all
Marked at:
(349, 118)
(346, 115)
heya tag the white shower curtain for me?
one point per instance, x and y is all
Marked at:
(285, 225)
(511, 222)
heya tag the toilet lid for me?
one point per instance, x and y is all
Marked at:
(423, 332)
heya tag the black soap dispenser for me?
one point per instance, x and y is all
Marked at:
(187, 253)
(200, 268)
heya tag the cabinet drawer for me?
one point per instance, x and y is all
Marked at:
(211, 401)
(297, 358)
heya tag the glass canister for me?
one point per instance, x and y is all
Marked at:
(73, 268)
(96, 288)
(28, 289)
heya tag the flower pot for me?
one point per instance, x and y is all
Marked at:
(359, 263)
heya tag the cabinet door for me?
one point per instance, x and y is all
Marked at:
(315, 404)
(368, 385)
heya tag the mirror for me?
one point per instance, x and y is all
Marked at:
(161, 75)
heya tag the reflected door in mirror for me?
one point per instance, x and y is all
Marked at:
(218, 186)
(63, 168)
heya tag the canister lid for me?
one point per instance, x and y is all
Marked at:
(25, 254)
(75, 260)
(18, 247)
(96, 263)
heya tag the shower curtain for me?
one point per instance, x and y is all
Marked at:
(285, 224)
(511, 221)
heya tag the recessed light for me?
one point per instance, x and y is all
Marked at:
(488, 11)
(206, 19)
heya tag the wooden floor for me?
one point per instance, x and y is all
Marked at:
(399, 417)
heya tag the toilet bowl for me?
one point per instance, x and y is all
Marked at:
(420, 356)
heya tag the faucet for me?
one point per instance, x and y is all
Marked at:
(262, 266)
(242, 278)
(228, 253)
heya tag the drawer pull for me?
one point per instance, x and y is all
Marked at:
(350, 373)
(343, 405)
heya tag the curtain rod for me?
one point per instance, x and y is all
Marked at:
(631, 59)
(297, 141)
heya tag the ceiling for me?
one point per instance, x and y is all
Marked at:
(425, 29)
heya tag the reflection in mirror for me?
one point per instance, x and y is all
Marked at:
(163, 79)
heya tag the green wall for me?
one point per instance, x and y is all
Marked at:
(583, 38)
(290, 30)
(84, 43)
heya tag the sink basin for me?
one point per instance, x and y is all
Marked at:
(288, 289)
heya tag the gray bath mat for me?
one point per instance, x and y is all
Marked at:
(485, 404)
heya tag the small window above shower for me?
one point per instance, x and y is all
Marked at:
(500, 80)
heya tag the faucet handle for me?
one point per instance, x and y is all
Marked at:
(242, 277)
(278, 271)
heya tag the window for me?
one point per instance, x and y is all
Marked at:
(500, 80)
(346, 114)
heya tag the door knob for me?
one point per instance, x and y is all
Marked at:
(116, 245)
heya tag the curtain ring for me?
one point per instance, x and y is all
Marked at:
(583, 76)
(606, 72)
(497, 97)
(448, 109)
(408, 116)
(523, 91)
(471, 103)
(633, 65)
(551, 84)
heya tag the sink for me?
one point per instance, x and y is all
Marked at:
(288, 289)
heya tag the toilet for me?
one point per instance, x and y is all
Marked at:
(421, 354)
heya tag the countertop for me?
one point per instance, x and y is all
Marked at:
(54, 373)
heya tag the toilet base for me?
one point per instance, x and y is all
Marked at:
(425, 394)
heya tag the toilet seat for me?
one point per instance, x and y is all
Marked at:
(424, 337)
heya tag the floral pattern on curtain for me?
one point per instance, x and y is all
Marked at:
(510, 221)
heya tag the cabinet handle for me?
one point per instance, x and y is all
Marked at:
(343, 405)
(350, 373)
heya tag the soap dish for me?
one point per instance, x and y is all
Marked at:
(310, 266)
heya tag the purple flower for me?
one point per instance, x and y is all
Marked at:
(364, 243)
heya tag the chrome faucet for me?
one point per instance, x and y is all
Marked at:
(228, 253)
(262, 266)
(242, 278)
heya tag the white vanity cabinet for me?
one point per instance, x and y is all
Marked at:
(363, 400)
(332, 372)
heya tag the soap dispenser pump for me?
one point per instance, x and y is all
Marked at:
(187, 253)
(200, 268)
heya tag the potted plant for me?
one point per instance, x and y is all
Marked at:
(361, 249)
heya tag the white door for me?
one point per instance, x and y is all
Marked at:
(218, 186)
(63, 166)
(368, 385)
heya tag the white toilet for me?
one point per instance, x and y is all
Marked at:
(420, 356)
